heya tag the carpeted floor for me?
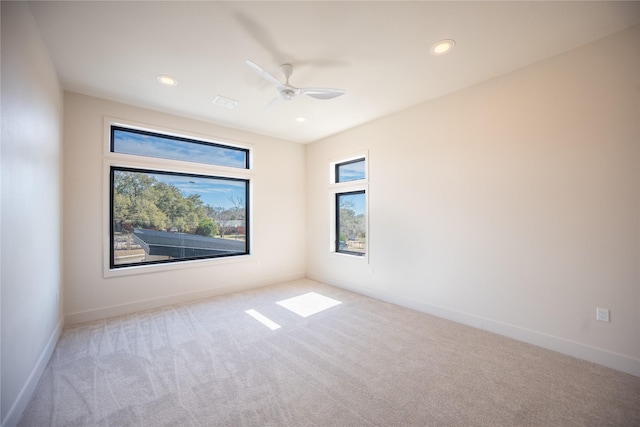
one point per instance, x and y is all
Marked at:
(361, 362)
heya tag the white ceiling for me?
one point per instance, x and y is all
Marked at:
(377, 51)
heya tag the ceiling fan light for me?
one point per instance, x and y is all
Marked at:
(442, 47)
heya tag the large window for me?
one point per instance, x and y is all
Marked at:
(349, 190)
(160, 216)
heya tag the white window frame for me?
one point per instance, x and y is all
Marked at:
(112, 159)
(345, 187)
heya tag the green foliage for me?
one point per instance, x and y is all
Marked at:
(352, 226)
(207, 228)
(142, 201)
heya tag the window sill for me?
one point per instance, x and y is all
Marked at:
(181, 265)
(364, 258)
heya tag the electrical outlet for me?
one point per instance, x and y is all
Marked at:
(602, 314)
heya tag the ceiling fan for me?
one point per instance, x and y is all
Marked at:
(288, 92)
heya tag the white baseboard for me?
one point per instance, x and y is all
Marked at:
(18, 407)
(136, 306)
(599, 356)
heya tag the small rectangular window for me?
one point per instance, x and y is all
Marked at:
(151, 144)
(159, 217)
(350, 171)
(351, 222)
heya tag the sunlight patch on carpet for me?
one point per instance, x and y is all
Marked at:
(308, 304)
(263, 319)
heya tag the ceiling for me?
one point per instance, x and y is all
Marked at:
(379, 52)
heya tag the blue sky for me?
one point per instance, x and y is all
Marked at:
(352, 171)
(213, 192)
(358, 202)
(165, 148)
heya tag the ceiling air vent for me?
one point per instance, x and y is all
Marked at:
(225, 102)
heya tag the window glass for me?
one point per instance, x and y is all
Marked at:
(151, 144)
(351, 222)
(159, 217)
(350, 171)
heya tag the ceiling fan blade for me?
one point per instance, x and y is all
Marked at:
(322, 92)
(275, 101)
(265, 75)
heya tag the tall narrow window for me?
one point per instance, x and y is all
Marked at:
(351, 222)
(349, 187)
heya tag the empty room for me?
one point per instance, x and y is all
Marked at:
(323, 213)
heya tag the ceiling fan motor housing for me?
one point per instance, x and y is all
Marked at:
(287, 93)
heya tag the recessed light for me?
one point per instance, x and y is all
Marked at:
(167, 80)
(442, 47)
(300, 119)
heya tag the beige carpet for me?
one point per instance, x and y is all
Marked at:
(358, 363)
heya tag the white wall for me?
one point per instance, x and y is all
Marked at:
(31, 253)
(512, 205)
(278, 210)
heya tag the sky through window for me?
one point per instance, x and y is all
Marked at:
(141, 143)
